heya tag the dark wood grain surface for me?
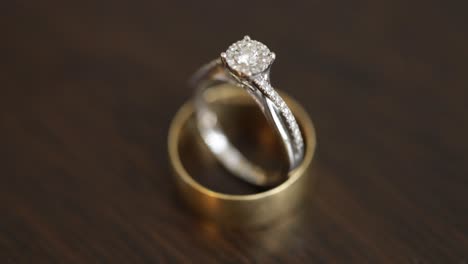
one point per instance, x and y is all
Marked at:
(88, 89)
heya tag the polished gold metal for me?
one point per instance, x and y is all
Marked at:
(233, 209)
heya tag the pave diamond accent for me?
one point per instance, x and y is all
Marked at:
(293, 127)
(248, 56)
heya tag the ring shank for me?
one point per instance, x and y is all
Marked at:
(207, 78)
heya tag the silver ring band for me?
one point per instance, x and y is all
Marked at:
(253, 76)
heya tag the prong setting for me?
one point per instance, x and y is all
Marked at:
(248, 57)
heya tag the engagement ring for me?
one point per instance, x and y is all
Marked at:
(246, 63)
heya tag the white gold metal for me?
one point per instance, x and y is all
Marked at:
(246, 63)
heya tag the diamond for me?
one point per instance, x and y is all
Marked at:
(248, 56)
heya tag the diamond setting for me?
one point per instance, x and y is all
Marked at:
(249, 57)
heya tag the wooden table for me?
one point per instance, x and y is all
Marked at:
(88, 90)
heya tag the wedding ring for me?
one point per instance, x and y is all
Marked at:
(236, 210)
(246, 63)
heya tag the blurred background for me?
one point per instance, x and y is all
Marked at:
(88, 89)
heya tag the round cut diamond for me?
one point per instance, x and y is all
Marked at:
(248, 56)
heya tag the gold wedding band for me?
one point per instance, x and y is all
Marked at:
(234, 209)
